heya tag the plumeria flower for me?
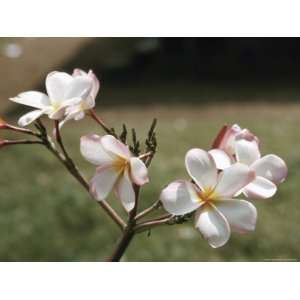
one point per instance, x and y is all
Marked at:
(78, 110)
(224, 144)
(211, 195)
(241, 146)
(63, 90)
(116, 168)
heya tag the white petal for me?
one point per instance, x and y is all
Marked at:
(57, 84)
(202, 168)
(221, 158)
(79, 87)
(271, 167)
(30, 117)
(95, 85)
(233, 179)
(79, 116)
(246, 151)
(125, 191)
(180, 197)
(33, 99)
(92, 150)
(260, 188)
(212, 225)
(240, 214)
(115, 147)
(103, 182)
(139, 172)
(57, 114)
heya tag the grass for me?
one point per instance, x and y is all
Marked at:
(46, 216)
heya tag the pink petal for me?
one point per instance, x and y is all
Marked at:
(125, 191)
(202, 168)
(92, 150)
(260, 188)
(240, 214)
(221, 158)
(212, 225)
(271, 167)
(139, 172)
(103, 182)
(233, 179)
(180, 197)
(246, 152)
(115, 147)
(226, 138)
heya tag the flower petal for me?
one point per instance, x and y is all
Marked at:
(103, 181)
(92, 150)
(202, 168)
(95, 85)
(260, 188)
(125, 191)
(271, 167)
(221, 158)
(79, 87)
(30, 117)
(246, 151)
(226, 138)
(33, 99)
(180, 197)
(57, 84)
(240, 214)
(212, 225)
(115, 147)
(233, 179)
(139, 172)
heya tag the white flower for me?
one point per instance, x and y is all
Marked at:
(116, 168)
(237, 145)
(211, 195)
(63, 90)
(77, 111)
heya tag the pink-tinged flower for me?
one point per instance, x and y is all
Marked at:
(116, 168)
(270, 169)
(223, 148)
(77, 111)
(63, 90)
(211, 195)
(240, 145)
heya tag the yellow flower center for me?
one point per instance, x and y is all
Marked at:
(55, 105)
(208, 195)
(121, 164)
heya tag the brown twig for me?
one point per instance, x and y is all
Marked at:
(93, 115)
(148, 210)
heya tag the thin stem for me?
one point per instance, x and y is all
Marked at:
(18, 142)
(93, 115)
(148, 210)
(129, 231)
(147, 225)
(72, 168)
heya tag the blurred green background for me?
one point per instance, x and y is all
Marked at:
(193, 87)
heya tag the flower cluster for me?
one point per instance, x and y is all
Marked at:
(68, 97)
(233, 167)
(220, 178)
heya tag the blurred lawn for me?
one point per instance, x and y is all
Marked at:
(46, 216)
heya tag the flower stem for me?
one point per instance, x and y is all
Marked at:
(73, 170)
(93, 115)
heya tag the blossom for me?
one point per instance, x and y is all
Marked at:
(237, 145)
(77, 110)
(116, 168)
(62, 90)
(211, 195)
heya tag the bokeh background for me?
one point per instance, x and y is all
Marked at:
(192, 86)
